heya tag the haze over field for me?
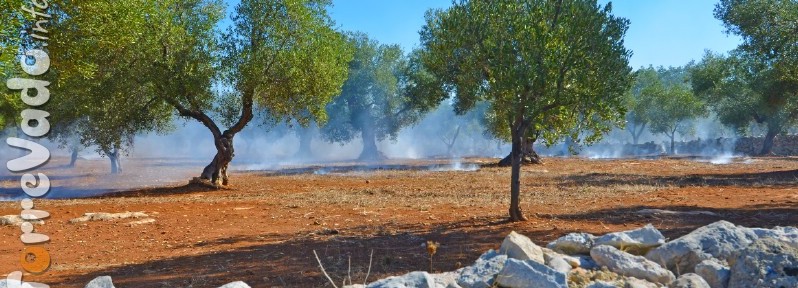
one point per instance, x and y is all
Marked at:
(677, 33)
(303, 143)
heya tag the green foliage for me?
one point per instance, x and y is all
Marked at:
(558, 68)
(669, 102)
(758, 81)
(730, 90)
(129, 66)
(101, 95)
(769, 34)
(672, 107)
(287, 56)
(637, 102)
(11, 40)
(372, 102)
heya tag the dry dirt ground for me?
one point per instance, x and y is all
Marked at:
(265, 228)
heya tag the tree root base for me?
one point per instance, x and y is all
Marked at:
(372, 157)
(205, 183)
(517, 216)
(527, 160)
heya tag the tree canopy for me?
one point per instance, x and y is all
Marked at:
(558, 68)
(638, 102)
(11, 41)
(100, 67)
(375, 102)
(669, 103)
(758, 81)
(135, 65)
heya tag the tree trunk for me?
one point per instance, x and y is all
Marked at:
(516, 156)
(673, 145)
(450, 144)
(528, 154)
(305, 139)
(633, 131)
(767, 145)
(216, 171)
(74, 158)
(637, 132)
(370, 151)
(116, 162)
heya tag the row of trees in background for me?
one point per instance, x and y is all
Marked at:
(758, 81)
(755, 84)
(131, 68)
(377, 101)
(662, 101)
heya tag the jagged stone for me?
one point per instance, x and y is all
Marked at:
(714, 272)
(447, 279)
(517, 246)
(766, 263)
(529, 274)
(601, 284)
(482, 273)
(717, 240)
(410, 280)
(690, 280)
(101, 282)
(237, 284)
(630, 265)
(573, 243)
(636, 241)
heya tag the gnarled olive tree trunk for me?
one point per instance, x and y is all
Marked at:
(451, 141)
(528, 154)
(370, 151)
(767, 145)
(216, 171)
(73, 158)
(116, 161)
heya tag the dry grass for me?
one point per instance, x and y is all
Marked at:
(263, 228)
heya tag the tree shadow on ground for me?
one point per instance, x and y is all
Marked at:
(288, 260)
(190, 188)
(283, 260)
(763, 179)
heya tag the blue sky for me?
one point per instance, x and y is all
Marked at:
(662, 32)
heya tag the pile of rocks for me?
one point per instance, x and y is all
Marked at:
(718, 255)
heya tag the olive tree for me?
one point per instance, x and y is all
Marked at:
(374, 103)
(99, 75)
(278, 55)
(548, 68)
(758, 81)
(637, 102)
